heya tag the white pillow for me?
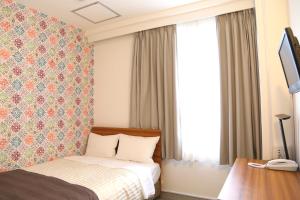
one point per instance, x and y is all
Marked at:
(136, 148)
(102, 146)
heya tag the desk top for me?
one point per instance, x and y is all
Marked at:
(248, 183)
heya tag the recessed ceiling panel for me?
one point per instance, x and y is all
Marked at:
(96, 12)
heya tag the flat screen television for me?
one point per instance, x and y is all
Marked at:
(289, 54)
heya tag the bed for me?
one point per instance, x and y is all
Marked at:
(157, 158)
(89, 177)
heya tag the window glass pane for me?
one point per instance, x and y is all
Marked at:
(198, 90)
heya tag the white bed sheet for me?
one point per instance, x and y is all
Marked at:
(148, 173)
(107, 183)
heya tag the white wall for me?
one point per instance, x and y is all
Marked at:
(294, 11)
(113, 60)
(294, 8)
(272, 18)
(193, 179)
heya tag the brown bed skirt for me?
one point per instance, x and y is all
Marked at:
(157, 190)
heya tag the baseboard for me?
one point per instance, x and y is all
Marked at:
(188, 194)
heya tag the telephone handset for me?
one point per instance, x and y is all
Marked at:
(278, 164)
(282, 164)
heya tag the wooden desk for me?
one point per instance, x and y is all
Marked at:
(248, 183)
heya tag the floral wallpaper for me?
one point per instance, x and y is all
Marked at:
(46, 78)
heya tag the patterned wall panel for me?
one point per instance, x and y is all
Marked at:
(46, 80)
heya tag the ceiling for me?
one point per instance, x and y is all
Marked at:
(106, 11)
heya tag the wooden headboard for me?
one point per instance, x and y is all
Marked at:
(134, 132)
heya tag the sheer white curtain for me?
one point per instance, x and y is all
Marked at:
(198, 90)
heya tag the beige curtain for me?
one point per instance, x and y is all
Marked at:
(153, 103)
(240, 100)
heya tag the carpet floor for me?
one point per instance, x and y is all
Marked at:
(172, 196)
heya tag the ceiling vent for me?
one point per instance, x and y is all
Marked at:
(96, 12)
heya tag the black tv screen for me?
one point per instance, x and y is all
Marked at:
(290, 59)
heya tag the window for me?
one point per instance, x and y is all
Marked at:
(198, 90)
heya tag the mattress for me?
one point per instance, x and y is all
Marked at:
(151, 168)
(108, 178)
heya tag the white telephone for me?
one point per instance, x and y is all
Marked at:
(278, 164)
